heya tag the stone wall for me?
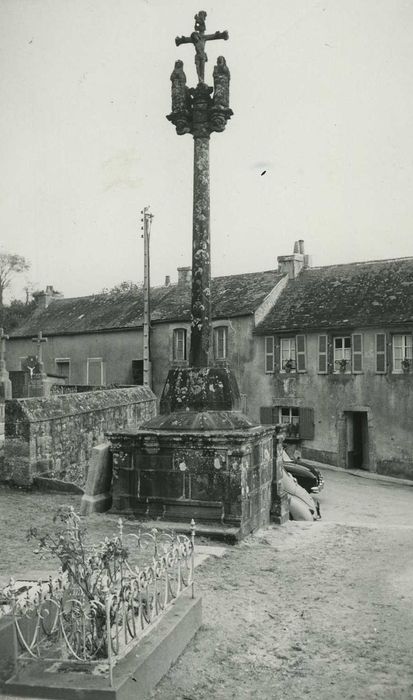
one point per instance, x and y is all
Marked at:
(56, 435)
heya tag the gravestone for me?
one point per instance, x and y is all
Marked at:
(5, 383)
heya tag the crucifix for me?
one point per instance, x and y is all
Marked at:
(198, 112)
(198, 38)
(39, 340)
(3, 338)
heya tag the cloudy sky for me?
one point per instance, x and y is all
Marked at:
(322, 93)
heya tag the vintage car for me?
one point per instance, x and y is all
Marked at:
(309, 477)
(302, 505)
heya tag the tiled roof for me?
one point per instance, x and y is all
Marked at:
(233, 295)
(353, 295)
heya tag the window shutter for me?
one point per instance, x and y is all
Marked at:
(330, 354)
(389, 347)
(322, 354)
(267, 415)
(306, 423)
(357, 355)
(269, 353)
(277, 354)
(381, 353)
(301, 353)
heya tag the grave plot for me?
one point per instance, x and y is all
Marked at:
(110, 622)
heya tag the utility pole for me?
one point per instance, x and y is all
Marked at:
(146, 222)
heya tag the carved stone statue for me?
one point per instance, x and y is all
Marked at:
(181, 100)
(200, 18)
(221, 83)
(201, 58)
(179, 90)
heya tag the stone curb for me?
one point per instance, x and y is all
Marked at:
(361, 473)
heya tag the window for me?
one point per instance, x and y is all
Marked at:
(63, 367)
(95, 371)
(289, 417)
(322, 354)
(342, 354)
(137, 372)
(269, 353)
(402, 353)
(179, 344)
(298, 421)
(287, 354)
(221, 342)
(381, 353)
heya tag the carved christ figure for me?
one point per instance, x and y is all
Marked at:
(198, 38)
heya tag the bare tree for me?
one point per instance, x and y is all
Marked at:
(10, 265)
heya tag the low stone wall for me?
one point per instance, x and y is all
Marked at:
(56, 435)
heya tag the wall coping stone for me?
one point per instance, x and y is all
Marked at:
(37, 410)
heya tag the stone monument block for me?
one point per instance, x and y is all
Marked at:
(97, 497)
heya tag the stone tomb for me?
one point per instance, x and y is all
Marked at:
(213, 466)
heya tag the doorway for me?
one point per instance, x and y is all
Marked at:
(357, 440)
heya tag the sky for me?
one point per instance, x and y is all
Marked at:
(322, 94)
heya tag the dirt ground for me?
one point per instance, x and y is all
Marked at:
(321, 610)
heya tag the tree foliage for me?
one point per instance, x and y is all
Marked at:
(15, 313)
(125, 287)
(10, 265)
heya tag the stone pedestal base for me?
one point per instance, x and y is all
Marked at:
(213, 466)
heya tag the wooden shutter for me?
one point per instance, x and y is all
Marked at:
(330, 354)
(306, 423)
(357, 352)
(389, 346)
(381, 353)
(267, 415)
(269, 353)
(301, 353)
(277, 354)
(322, 366)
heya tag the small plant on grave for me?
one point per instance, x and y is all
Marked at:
(87, 573)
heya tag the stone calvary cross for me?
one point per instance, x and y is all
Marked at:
(198, 112)
(3, 338)
(39, 340)
(198, 39)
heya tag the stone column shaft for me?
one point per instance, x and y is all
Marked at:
(201, 256)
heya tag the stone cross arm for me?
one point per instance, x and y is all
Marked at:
(206, 37)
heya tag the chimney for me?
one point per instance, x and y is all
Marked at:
(184, 276)
(43, 299)
(292, 265)
(167, 280)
